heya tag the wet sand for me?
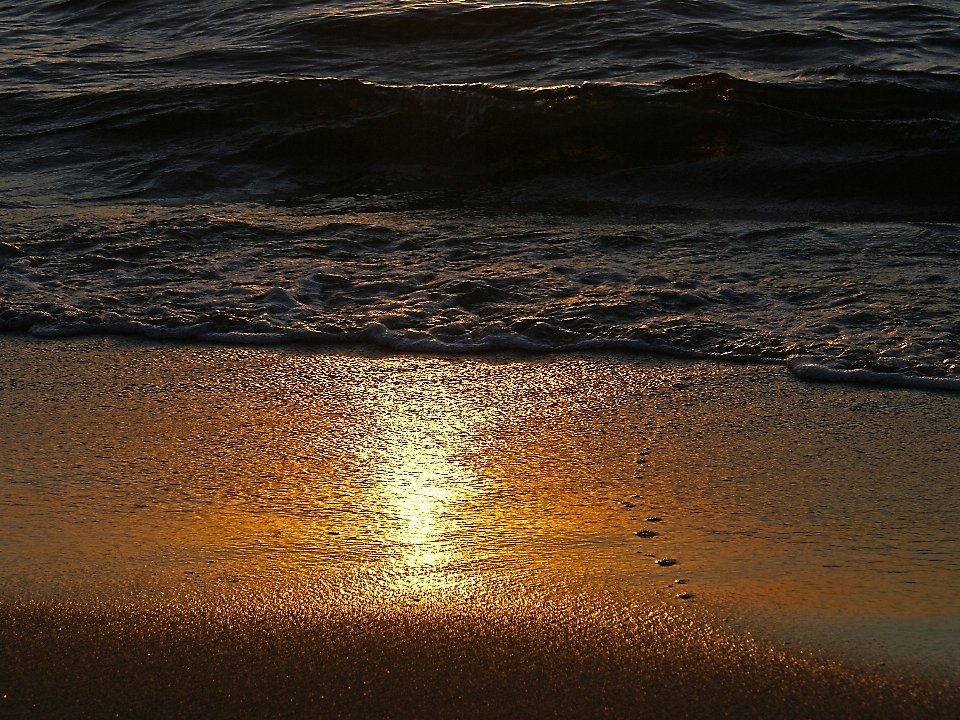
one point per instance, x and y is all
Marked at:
(194, 531)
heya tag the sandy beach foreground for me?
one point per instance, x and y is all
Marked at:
(208, 531)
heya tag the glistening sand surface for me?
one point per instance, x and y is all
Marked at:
(204, 531)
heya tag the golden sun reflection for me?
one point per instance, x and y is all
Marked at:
(421, 484)
(392, 490)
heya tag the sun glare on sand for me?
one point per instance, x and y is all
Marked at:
(455, 483)
(419, 479)
(335, 481)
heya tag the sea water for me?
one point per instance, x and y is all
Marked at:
(759, 181)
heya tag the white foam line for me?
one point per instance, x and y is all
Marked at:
(376, 334)
(808, 370)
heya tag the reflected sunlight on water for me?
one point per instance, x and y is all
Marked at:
(340, 482)
(420, 482)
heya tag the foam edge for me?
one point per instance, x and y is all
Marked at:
(809, 369)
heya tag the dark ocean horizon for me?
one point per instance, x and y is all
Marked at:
(769, 182)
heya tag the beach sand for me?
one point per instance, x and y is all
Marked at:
(212, 531)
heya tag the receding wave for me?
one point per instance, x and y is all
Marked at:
(809, 369)
(881, 297)
(379, 336)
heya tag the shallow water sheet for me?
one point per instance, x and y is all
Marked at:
(201, 530)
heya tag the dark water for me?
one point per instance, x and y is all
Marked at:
(735, 179)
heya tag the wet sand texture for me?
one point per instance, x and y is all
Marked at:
(205, 532)
(65, 662)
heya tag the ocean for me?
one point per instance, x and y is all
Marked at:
(763, 182)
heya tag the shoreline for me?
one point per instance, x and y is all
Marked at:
(802, 368)
(254, 486)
